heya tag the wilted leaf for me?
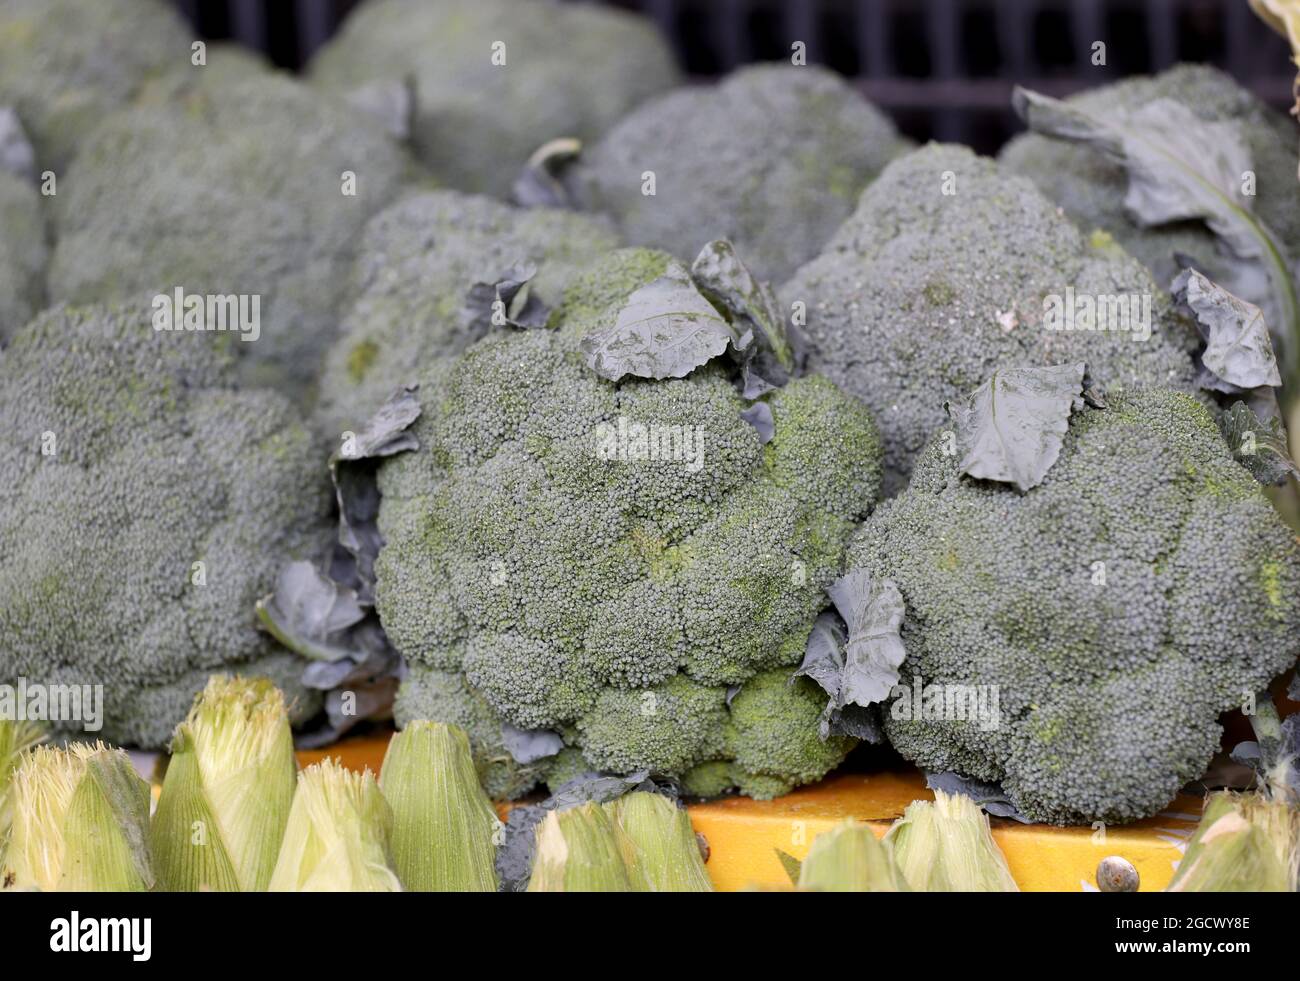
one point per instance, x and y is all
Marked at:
(873, 612)
(759, 415)
(1011, 428)
(530, 745)
(509, 302)
(1238, 349)
(1181, 168)
(1259, 446)
(724, 279)
(539, 184)
(989, 796)
(666, 329)
(307, 610)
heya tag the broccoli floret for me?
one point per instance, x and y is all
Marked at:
(1115, 610)
(772, 158)
(23, 253)
(708, 780)
(235, 189)
(146, 506)
(1091, 189)
(615, 600)
(495, 79)
(923, 292)
(64, 64)
(772, 735)
(414, 267)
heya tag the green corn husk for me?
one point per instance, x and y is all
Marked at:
(658, 844)
(444, 826)
(1244, 843)
(15, 738)
(229, 785)
(578, 850)
(946, 846)
(849, 858)
(80, 822)
(337, 836)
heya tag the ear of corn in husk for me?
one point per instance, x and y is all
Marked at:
(80, 822)
(15, 738)
(1244, 843)
(227, 792)
(337, 836)
(946, 846)
(849, 858)
(658, 844)
(578, 850)
(444, 827)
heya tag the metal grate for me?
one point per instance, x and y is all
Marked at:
(943, 68)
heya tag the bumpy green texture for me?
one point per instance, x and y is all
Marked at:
(772, 158)
(415, 266)
(569, 71)
(65, 63)
(1144, 587)
(23, 253)
(922, 293)
(127, 458)
(1091, 189)
(615, 600)
(232, 189)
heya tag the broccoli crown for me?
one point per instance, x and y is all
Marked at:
(923, 292)
(495, 79)
(413, 270)
(772, 158)
(146, 506)
(65, 63)
(1114, 610)
(23, 253)
(1091, 189)
(234, 189)
(580, 584)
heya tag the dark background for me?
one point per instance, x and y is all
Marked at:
(942, 68)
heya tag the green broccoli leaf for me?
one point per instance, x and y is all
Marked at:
(1238, 351)
(307, 610)
(791, 865)
(509, 302)
(1011, 428)
(725, 279)
(1180, 168)
(1258, 445)
(539, 184)
(666, 329)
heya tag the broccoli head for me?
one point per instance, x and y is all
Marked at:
(414, 267)
(22, 253)
(65, 63)
(945, 271)
(541, 571)
(1113, 611)
(772, 158)
(492, 80)
(237, 189)
(146, 506)
(1091, 189)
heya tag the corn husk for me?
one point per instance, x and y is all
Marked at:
(444, 827)
(229, 785)
(80, 822)
(1244, 843)
(658, 844)
(15, 738)
(849, 858)
(578, 850)
(946, 846)
(337, 836)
